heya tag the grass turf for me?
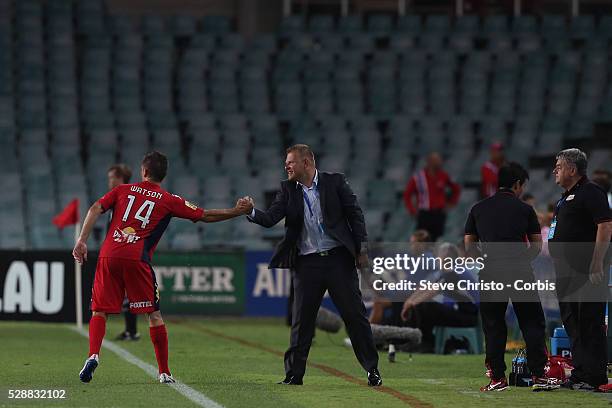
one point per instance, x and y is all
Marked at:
(222, 358)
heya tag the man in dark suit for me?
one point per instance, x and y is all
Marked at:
(325, 239)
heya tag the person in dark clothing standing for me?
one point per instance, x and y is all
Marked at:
(578, 240)
(325, 239)
(502, 224)
(121, 174)
(435, 193)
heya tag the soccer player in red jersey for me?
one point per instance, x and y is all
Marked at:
(141, 213)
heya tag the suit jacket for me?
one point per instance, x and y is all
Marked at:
(342, 217)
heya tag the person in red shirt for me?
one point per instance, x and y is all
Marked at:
(488, 171)
(141, 213)
(435, 193)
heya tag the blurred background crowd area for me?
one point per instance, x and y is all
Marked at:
(222, 88)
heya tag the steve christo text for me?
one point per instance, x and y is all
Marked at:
(462, 284)
(458, 265)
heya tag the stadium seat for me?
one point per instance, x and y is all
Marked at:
(467, 24)
(381, 194)
(331, 42)
(370, 93)
(351, 24)
(524, 24)
(495, 24)
(379, 24)
(217, 25)
(183, 25)
(409, 23)
(321, 23)
(437, 24)
(582, 27)
(291, 25)
(263, 42)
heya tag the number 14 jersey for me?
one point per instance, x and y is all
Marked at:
(141, 213)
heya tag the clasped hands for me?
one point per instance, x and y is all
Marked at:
(245, 205)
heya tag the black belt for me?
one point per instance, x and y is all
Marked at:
(328, 252)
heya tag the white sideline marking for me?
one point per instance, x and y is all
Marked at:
(476, 394)
(188, 392)
(431, 381)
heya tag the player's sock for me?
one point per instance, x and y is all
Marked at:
(97, 328)
(159, 338)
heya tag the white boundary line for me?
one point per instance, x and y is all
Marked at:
(195, 396)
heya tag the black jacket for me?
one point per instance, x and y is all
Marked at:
(342, 216)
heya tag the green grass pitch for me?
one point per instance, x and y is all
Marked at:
(237, 362)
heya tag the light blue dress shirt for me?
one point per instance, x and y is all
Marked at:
(313, 238)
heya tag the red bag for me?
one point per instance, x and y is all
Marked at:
(558, 367)
(605, 388)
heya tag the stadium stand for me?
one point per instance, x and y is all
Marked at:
(82, 88)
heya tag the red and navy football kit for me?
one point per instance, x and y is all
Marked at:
(141, 214)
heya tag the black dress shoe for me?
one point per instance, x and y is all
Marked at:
(291, 381)
(374, 378)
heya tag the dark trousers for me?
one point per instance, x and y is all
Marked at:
(432, 221)
(289, 317)
(336, 273)
(130, 323)
(532, 323)
(429, 314)
(130, 318)
(584, 320)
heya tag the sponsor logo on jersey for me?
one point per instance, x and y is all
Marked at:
(126, 235)
(191, 205)
(140, 305)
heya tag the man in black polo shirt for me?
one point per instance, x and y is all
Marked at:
(578, 240)
(503, 224)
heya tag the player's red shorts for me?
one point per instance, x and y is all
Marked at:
(116, 277)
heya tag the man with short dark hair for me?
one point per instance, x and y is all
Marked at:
(578, 240)
(141, 213)
(503, 224)
(325, 238)
(121, 174)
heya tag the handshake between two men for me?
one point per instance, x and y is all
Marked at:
(244, 205)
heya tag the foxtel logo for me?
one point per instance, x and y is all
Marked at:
(138, 305)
